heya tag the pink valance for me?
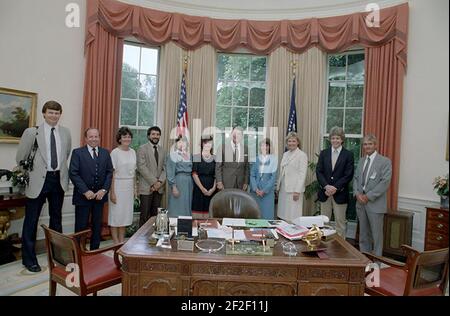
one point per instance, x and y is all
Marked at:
(331, 34)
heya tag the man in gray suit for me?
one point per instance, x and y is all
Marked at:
(232, 163)
(48, 146)
(151, 174)
(370, 184)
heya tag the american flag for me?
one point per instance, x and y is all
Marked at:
(292, 120)
(182, 118)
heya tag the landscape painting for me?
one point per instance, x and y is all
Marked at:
(17, 113)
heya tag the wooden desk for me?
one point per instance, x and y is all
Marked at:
(150, 270)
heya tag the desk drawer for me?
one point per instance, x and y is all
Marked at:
(435, 226)
(439, 215)
(436, 241)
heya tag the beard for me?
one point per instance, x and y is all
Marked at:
(154, 141)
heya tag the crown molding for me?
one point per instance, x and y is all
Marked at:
(266, 10)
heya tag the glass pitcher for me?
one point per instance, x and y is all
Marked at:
(162, 222)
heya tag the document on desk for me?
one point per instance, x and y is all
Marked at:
(233, 222)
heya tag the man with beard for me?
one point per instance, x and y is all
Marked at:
(151, 174)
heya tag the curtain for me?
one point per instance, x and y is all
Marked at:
(331, 34)
(310, 97)
(383, 107)
(102, 86)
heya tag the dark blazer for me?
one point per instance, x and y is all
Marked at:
(233, 175)
(85, 175)
(340, 177)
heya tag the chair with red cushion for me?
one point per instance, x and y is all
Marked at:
(423, 274)
(81, 271)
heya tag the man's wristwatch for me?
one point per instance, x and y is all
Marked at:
(104, 191)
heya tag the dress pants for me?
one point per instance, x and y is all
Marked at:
(54, 194)
(370, 230)
(149, 206)
(82, 213)
(329, 207)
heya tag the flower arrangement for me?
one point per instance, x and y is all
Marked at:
(19, 178)
(441, 185)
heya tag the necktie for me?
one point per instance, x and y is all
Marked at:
(366, 170)
(334, 158)
(94, 154)
(53, 155)
(234, 153)
(156, 154)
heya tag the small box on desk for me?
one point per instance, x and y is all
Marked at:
(185, 244)
(184, 226)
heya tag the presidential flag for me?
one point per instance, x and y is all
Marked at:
(292, 120)
(182, 118)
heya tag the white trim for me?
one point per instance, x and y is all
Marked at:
(262, 10)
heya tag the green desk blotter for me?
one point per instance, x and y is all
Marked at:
(248, 249)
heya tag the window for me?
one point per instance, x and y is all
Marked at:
(345, 104)
(139, 90)
(241, 92)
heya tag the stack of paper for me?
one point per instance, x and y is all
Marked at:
(292, 231)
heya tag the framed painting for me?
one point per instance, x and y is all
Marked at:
(17, 113)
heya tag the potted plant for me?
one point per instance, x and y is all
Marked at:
(440, 184)
(313, 188)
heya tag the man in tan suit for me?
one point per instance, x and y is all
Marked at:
(151, 174)
(48, 147)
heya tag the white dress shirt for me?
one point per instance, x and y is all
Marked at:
(48, 132)
(372, 157)
(335, 152)
(236, 147)
(91, 151)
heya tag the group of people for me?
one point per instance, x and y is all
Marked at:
(122, 175)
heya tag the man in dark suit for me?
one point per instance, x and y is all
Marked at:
(48, 146)
(91, 173)
(334, 172)
(232, 167)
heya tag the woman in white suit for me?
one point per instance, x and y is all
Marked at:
(291, 181)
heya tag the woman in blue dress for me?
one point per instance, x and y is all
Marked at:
(179, 177)
(263, 175)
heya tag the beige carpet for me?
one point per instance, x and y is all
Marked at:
(15, 280)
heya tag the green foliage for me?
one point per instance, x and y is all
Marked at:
(314, 187)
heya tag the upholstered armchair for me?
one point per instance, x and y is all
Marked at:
(233, 203)
(81, 271)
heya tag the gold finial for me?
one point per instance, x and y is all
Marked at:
(185, 63)
(294, 66)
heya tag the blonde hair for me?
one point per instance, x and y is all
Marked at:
(337, 131)
(293, 135)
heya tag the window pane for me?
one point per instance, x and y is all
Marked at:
(225, 67)
(148, 88)
(354, 145)
(336, 95)
(256, 118)
(131, 57)
(335, 117)
(128, 110)
(353, 120)
(337, 67)
(241, 68)
(240, 95)
(139, 138)
(149, 61)
(224, 93)
(130, 85)
(146, 113)
(240, 117)
(355, 67)
(257, 96)
(223, 117)
(258, 69)
(355, 95)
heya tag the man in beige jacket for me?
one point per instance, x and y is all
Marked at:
(151, 174)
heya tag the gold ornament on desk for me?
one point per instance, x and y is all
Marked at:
(313, 237)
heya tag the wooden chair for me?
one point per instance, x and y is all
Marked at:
(233, 203)
(423, 274)
(89, 271)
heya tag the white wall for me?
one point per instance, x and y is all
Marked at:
(39, 53)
